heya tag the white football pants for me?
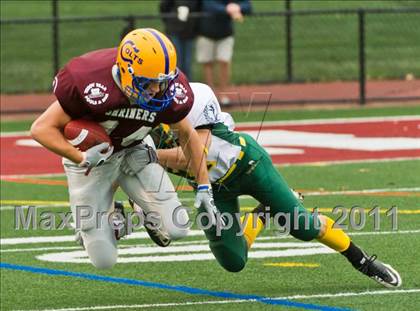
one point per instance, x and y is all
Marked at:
(91, 200)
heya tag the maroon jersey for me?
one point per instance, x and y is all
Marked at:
(85, 88)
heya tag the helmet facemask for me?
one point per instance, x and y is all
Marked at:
(161, 100)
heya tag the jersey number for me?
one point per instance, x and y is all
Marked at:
(141, 133)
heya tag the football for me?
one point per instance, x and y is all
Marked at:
(84, 134)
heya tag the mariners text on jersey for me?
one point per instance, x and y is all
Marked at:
(132, 114)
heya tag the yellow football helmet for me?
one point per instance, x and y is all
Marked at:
(145, 56)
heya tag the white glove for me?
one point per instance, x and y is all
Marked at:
(204, 197)
(95, 156)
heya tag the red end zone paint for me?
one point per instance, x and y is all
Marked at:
(332, 141)
(291, 143)
(25, 160)
(313, 155)
(402, 128)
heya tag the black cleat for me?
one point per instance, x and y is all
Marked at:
(78, 238)
(298, 195)
(156, 235)
(382, 273)
(119, 220)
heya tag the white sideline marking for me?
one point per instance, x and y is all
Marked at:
(28, 143)
(190, 303)
(38, 249)
(242, 197)
(288, 122)
(186, 251)
(191, 252)
(343, 162)
(330, 121)
(326, 163)
(283, 151)
(320, 193)
(202, 241)
(70, 238)
(264, 238)
(295, 139)
(11, 207)
(14, 134)
(351, 294)
(144, 235)
(200, 247)
(383, 232)
(33, 175)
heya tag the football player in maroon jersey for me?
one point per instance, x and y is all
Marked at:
(128, 90)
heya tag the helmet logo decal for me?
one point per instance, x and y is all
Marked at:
(129, 52)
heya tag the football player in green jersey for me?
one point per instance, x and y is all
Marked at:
(238, 165)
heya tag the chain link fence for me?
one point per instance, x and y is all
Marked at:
(271, 47)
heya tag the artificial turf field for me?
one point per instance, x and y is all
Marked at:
(173, 278)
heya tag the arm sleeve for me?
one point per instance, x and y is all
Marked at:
(68, 95)
(180, 113)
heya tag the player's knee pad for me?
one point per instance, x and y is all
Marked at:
(102, 253)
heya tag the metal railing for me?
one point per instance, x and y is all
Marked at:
(289, 16)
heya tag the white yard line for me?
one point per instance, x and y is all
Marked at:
(340, 162)
(319, 193)
(40, 249)
(34, 175)
(11, 204)
(352, 294)
(122, 246)
(144, 235)
(14, 134)
(70, 238)
(25, 206)
(288, 122)
(52, 248)
(383, 232)
(190, 303)
(330, 121)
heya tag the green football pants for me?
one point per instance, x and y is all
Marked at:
(256, 176)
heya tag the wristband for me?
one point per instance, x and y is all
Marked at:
(203, 187)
